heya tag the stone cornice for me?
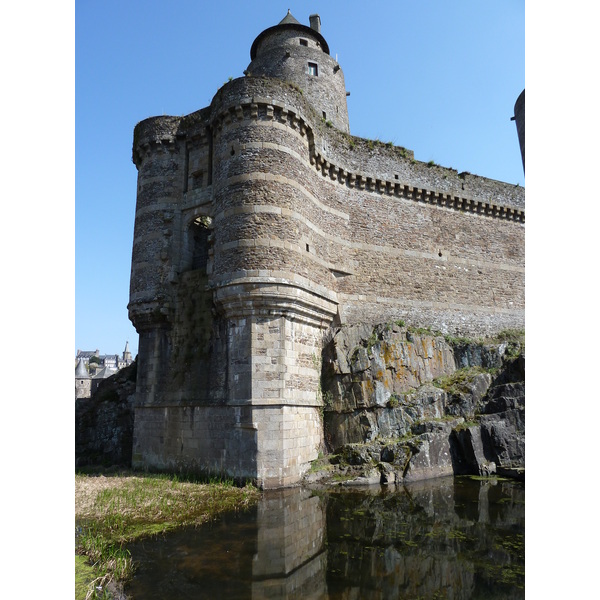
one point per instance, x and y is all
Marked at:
(254, 296)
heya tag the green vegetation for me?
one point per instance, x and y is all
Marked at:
(117, 509)
(393, 401)
(84, 576)
(465, 425)
(322, 463)
(398, 323)
(456, 383)
(514, 338)
(423, 331)
(373, 339)
(458, 341)
(327, 399)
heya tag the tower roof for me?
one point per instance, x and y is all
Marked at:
(289, 22)
(289, 18)
(81, 371)
(104, 373)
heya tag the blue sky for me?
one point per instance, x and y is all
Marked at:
(438, 77)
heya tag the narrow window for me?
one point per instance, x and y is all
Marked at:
(303, 42)
(313, 69)
(199, 234)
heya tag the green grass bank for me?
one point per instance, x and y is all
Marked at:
(112, 510)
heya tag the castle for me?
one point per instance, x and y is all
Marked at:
(261, 223)
(89, 373)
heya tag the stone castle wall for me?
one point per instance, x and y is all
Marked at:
(258, 225)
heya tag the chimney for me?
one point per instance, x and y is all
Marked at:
(315, 23)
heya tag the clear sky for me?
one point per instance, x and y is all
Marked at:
(438, 77)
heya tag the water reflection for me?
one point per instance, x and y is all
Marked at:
(448, 538)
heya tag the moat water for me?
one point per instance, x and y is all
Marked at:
(453, 538)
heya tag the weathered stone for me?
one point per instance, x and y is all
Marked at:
(503, 436)
(468, 452)
(388, 473)
(104, 422)
(396, 453)
(469, 402)
(431, 456)
(433, 443)
(505, 397)
(359, 361)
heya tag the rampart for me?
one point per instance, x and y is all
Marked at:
(260, 223)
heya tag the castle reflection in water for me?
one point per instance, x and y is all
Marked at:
(445, 538)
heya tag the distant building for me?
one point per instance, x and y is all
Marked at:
(88, 375)
(101, 375)
(85, 355)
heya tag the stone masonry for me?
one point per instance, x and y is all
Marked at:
(260, 223)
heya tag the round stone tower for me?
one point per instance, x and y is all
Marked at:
(300, 55)
(83, 381)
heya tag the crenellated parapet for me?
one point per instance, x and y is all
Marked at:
(507, 204)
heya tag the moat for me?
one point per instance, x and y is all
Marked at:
(454, 538)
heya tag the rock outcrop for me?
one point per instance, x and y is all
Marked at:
(404, 405)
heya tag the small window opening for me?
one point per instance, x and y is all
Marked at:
(440, 253)
(232, 151)
(395, 176)
(303, 42)
(307, 248)
(324, 115)
(200, 234)
(313, 69)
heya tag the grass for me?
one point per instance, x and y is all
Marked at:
(455, 383)
(84, 575)
(117, 509)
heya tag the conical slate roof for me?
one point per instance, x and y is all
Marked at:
(81, 371)
(289, 19)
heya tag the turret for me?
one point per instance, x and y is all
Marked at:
(83, 381)
(300, 54)
(519, 118)
(127, 353)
